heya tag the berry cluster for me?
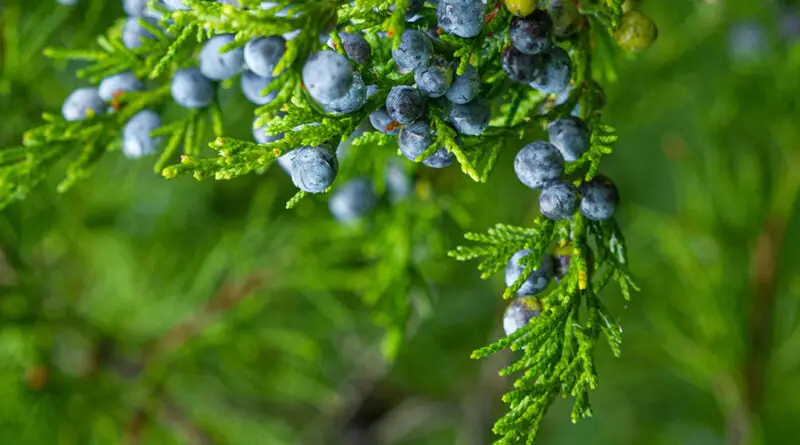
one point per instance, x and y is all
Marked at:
(86, 102)
(331, 77)
(190, 88)
(447, 81)
(331, 82)
(532, 59)
(540, 165)
(328, 78)
(535, 60)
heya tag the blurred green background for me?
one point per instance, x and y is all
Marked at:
(139, 310)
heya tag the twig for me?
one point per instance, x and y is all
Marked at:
(175, 416)
(760, 313)
(227, 297)
(133, 432)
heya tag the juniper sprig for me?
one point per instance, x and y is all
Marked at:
(343, 82)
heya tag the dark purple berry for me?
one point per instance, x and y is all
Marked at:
(518, 66)
(559, 200)
(465, 87)
(599, 198)
(313, 169)
(384, 123)
(570, 135)
(355, 46)
(434, 79)
(262, 55)
(327, 76)
(553, 71)
(538, 279)
(531, 34)
(538, 164)
(405, 104)
(414, 52)
(471, 119)
(462, 18)
(415, 139)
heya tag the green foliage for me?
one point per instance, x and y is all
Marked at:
(175, 46)
(559, 352)
(285, 313)
(558, 346)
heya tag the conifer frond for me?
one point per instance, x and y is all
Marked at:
(555, 348)
(500, 242)
(558, 345)
(557, 357)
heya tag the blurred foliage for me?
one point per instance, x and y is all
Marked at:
(136, 310)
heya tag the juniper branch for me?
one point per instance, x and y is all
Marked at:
(558, 346)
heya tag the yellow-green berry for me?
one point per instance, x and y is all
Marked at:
(521, 8)
(636, 32)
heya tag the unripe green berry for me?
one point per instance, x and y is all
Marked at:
(521, 8)
(566, 17)
(636, 32)
(629, 5)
